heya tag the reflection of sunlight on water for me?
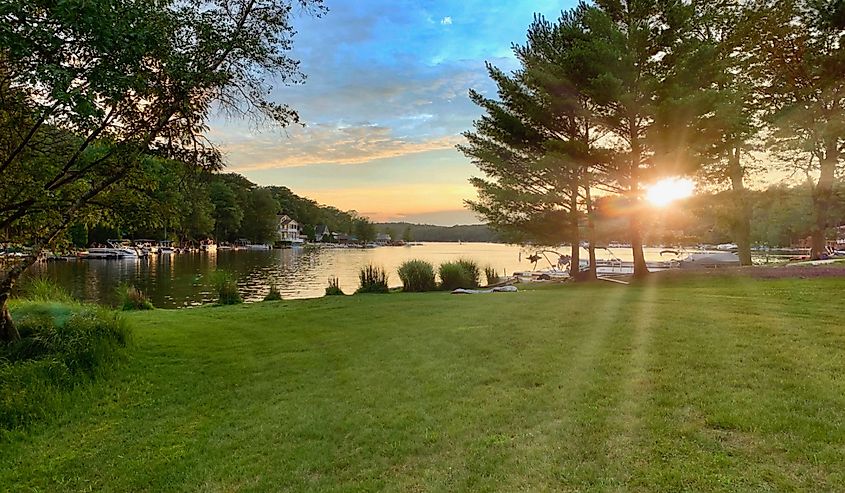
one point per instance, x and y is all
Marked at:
(184, 279)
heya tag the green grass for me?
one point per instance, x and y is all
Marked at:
(697, 385)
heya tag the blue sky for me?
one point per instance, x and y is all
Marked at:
(384, 104)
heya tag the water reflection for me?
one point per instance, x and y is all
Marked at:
(184, 279)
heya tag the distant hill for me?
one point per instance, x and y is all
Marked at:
(429, 232)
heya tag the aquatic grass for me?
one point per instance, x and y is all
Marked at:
(372, 279)
(273, 294)
(333, 289)
(459, 274)
(417, 276)
(226, 286)
(130, 298)
(491, 275)
(45, 289)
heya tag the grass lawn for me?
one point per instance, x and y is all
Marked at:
(697, 385)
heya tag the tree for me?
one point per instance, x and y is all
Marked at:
(801, 59)
(228, 212)
(623, 62)
(534, 143)
(407, 237)
(260, 224)
(364, 229)
(96, 86)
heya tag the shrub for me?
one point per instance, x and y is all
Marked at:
(45, 289)
(61, 346)
(491, 275)
(460, 274)
(132, 298)
(372, 280)
(274, 294)
(333, 289)
(226, 287)
(417, 276)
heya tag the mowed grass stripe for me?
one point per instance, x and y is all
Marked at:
(723, 385)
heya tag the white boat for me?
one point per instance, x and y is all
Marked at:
(257, 246)
(709, 260)
(116, 249)
(165, 247)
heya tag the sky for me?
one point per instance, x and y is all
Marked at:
(384, 104)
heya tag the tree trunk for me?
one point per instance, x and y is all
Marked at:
(822, 195)
(575, 236)
(640, 267)
(8, 331)
(591, 230)
(742, 226)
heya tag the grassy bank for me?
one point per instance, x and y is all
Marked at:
(703, 385)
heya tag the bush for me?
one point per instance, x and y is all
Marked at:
(274, 294)
(333, 289)
(132, 298)
(460, 274)
(417, 276)
(372, 280)
(61, 346)
(226, 287)
(45, 289)
(492, 276)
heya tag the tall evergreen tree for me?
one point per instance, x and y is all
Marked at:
(534, 142)
(800, 53)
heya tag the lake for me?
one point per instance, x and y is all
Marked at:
(173, 281)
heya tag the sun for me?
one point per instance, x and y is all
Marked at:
(669, 190)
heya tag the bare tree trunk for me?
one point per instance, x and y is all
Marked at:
(8, 331)
(822, 195)
(640, 267)
(575, 236)
(591, 229)
(742, 226)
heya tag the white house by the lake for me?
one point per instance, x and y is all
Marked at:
(289, 230)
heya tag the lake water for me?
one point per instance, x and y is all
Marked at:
(184, 279)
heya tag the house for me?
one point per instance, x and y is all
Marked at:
(289, 230)
(383, 239)
(322, 233)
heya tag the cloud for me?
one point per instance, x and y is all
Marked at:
(322, 144)
(446, 21)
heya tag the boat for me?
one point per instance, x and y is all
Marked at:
(165, 247)
(146, 247)
(208, 246)
(114, 249)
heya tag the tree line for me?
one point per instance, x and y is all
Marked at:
(180, 205)
(615, 94)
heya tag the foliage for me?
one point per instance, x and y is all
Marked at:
(459, 274)
(131, 298)
(273, 294)
(61, 346)
(363, 229)
(491, 275)
(372, 279)
(45, 289)
(417, 276)
(429, 232)
(261, 211)
(226, 286)
(799, 56)
(94, 92)
(333, 289)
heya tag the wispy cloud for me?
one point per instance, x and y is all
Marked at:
(446, 21)
(324, 144)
